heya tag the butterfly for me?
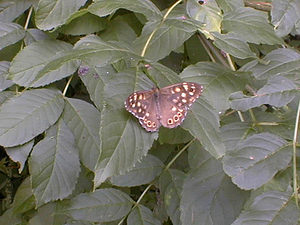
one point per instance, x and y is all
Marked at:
(166, 107)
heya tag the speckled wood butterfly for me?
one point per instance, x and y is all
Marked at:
(167, 106)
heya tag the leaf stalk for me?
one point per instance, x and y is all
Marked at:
(295, 184)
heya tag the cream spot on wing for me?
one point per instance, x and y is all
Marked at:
(174, 108)
(170, 121)
(183, 100)
(177, 89)
(183, 95)
(176, 118)
(191, 93)
(140, 110)
(147, 114)
(175, 100)
(185, 86)
(133, 105)
(138, 104)
(141, 97)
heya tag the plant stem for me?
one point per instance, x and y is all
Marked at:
(165, 169)
(229, 60)
(178, 154)
(206, 47)
(27, 23)
(295, 184)
(156, 28)
(252, 116)
(28, 18)
(67, 85)
(267, 124)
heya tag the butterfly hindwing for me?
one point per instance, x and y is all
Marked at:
(142, 105)
(175, 100)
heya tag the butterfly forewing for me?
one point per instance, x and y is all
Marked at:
(142, 105)
(175, 101)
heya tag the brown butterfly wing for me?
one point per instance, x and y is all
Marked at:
(175, 100)
(142, 105)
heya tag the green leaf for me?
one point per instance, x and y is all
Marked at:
(256, 160)
(24, 199)
(208, 196)
(251, 25)
(174, 136)
(94, 79)
(209, 14)
(4, 83)
(33, 66)
(8, 217)
(102, 205)
(143, 172)
(218, 81)
(10, 33)
(228, 6)
(48, 214)
(19, 154)
(145, 7)
(83, 119)
(272, 207)
(5, 95)
(170, 186)
(120, 29)
(33, 35)
(11, 9)
(233, 45)
(279, 91)
(233, 133)
(85, 24)
(122, 85)
(281, 61)
(142, 215)
(284, 15)
(203, 123)
(168, 36)
(51, 14)
(79, 222)
(123, 143)
(54, 165)
(94, 51)
(25, 116)
(163, 75)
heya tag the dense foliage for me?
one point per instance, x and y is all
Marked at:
(72, 154)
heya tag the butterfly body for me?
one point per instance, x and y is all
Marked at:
(167, 106)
